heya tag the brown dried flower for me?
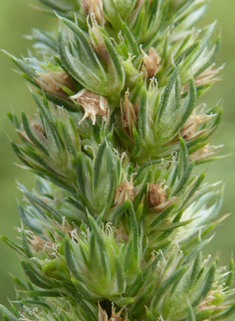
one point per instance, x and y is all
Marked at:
(95, 7)
(93, 104)
(124, 192)
(39, 244)
(97, 40)
(38, 128)
(156, 195)
(208, 76)
(151, 63)
(53, 83)
(204, 153)
(157, 198)
(129, 114)
(208, 302)
(120, 233)
(114, 316)
(188, 131)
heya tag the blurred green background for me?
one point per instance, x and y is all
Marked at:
(16, 19)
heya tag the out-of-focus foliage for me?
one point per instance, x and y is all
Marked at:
(17, 18)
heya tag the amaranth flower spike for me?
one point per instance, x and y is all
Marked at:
(117, 226)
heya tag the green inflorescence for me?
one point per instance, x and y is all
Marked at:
(116, 227)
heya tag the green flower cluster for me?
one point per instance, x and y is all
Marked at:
(117, 225)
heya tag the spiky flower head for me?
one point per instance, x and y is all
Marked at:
(115, 230)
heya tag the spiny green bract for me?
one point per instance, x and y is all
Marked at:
(117, 225)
